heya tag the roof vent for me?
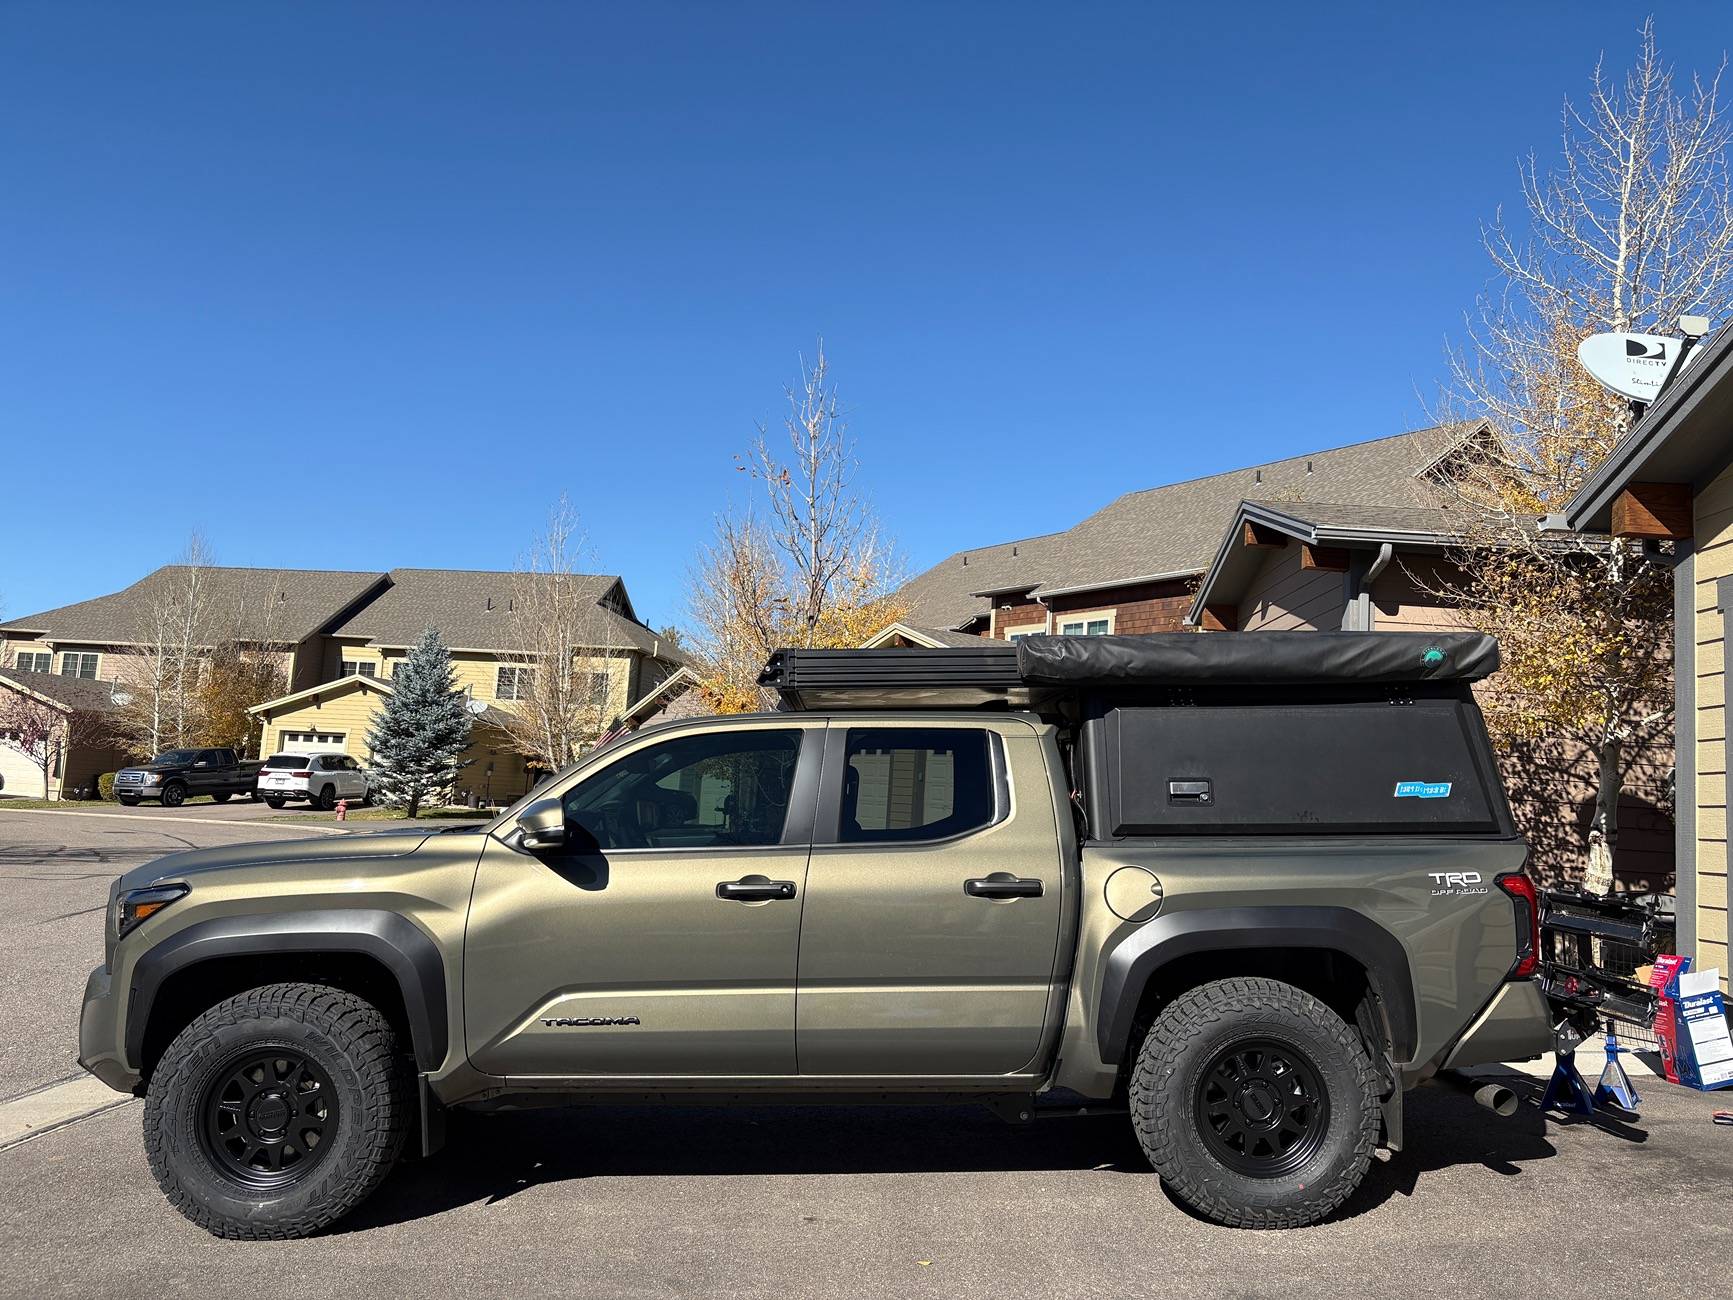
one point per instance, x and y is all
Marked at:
(490, 602)
(1013, 550)
(1257, 476)
(965, 561)
(1308, 467)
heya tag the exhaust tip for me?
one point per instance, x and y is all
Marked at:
(1497, 1098)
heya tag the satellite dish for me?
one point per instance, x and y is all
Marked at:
(476, 707)
(1632, 365)
(121, 698)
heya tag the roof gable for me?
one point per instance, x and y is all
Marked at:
(278, 605)
(1175, 530)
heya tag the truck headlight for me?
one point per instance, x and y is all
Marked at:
(137, 905)
(151, 778)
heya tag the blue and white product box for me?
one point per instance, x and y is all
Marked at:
(1705, 1049)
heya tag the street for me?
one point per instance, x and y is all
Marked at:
(817, 1201)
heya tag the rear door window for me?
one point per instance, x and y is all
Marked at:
(916, 783)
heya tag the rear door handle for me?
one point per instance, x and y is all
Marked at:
(1002, 885)
(754, 889)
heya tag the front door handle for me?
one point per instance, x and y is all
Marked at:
(754, 889)
(1002, 885)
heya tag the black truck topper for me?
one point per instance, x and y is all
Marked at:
(1036, 669)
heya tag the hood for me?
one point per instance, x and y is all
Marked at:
(369, 846)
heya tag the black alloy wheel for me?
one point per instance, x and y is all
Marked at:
(173, 796)
(269, 1115)
(326, 799)
(1262, 1109)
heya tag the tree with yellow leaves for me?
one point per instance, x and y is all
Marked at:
(1631, 228)
(803, 565)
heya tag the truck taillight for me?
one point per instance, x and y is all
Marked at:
(1521, 891)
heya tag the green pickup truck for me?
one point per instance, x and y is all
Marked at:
(1248, 888)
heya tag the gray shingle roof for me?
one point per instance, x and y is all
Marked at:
(470, 607)
(77, 693)
(282, 604)
(1436, 521)
(1177, 528)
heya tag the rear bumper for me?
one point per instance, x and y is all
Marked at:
(1515, 1026)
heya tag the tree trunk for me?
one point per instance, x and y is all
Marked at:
(1604, 830)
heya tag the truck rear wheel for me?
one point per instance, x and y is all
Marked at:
(1256, 1103)
(222, 796)
(277, 1112)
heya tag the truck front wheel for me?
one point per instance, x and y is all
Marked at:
(1256, 1103)
(277, 1112)
(174, 795)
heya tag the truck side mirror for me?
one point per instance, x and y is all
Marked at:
(542, 826)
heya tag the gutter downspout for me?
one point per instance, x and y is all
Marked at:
(1357, 615)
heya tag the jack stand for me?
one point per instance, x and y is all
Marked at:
(1615, 1085)
(1566, 1090)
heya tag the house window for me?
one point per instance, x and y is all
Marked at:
(1018, 633)
(514, 683)
(1096, 624)
(358, 668)
(78, 665)
(29, 662)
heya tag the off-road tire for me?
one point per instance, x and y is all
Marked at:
(174, 794)
(326, 799)
(273, 803)
(1188, 1037)
(221, 796)
(349, 1040)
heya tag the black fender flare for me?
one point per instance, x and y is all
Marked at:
(1130, 964)
(406, 951)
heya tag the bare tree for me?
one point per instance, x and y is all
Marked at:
(40, 731)
(562, 658)
(160, 680)
(811, 570)
(1631, 227)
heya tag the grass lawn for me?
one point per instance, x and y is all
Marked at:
(75, 805)
(456, 813)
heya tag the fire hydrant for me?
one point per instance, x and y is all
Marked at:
(342, 810)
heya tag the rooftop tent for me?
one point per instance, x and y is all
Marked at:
(1256, 658)
(1040, 668)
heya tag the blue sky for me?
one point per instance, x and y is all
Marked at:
(356, 286)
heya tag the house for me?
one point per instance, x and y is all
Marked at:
(339, 636)
(1671, 479)
(1134, 566)
(1351, 538)
(71, 716)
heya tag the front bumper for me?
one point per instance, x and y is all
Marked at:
(99, 1042)
(1516, 1025)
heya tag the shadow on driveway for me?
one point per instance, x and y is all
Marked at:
(492, 1157)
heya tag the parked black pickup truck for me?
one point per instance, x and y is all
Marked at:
(175, 775)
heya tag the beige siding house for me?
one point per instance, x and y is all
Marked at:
(340, 636)
(1671, 482)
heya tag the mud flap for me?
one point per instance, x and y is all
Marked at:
(1391, 1108)
(432, 1117)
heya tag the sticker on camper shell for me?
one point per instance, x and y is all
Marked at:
(1423, 790)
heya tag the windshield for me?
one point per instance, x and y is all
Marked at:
(176, 756)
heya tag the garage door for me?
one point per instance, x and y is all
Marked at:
(313, 742)
(23, 779)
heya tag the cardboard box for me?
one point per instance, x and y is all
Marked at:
(1663, 977)
(1703, 1046)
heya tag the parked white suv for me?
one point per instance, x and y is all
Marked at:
(320, 779)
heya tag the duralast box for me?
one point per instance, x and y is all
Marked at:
(1704, 1048)
(1664, 979)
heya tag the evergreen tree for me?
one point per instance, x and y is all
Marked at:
(422, 729)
